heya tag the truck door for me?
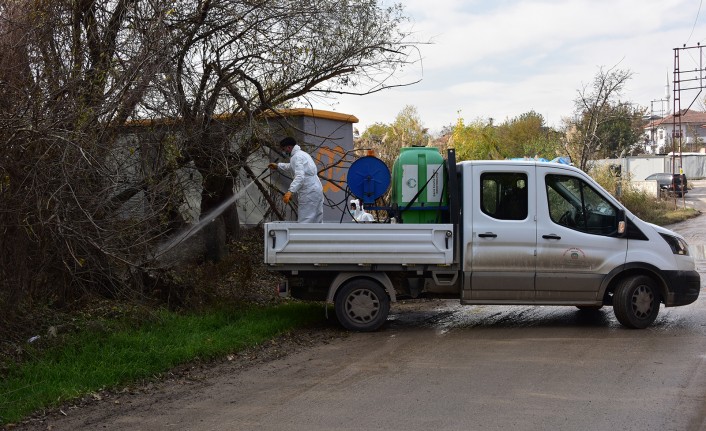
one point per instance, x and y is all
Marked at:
(577, 242)
(504, 233)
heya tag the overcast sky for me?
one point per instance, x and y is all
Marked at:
(502, 58)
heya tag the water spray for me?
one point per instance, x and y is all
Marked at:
(211, 216)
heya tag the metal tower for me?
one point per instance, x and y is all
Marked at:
(691, 79)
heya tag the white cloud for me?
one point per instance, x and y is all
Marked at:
(505, 58)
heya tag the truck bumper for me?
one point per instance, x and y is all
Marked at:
(683, 287)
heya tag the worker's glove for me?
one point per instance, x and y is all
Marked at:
(287, 196)
(272, 166)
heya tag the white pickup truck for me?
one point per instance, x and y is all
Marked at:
(532, 233)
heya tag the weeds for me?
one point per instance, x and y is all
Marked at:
(118, 354)
(661, 210)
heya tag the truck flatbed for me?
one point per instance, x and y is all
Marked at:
(358, 244)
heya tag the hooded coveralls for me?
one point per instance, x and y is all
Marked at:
(359, 214)
(306, 185)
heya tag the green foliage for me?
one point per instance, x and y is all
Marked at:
(528, 136)
(377, 133)
(475, 141)
(116, 354)
(523, 136)
(658, 211)
(606, 177)
(621, 131)
(408, 129)
(386, 139)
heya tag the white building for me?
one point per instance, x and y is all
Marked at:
(660, 139)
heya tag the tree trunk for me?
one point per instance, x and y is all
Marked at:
(225, 226)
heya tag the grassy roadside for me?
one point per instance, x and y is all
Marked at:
(118, 353)
(661, 212)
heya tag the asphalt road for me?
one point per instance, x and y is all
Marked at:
(437, 365)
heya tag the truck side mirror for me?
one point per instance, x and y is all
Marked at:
(622, 224)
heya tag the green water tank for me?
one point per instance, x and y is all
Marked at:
(415, 167)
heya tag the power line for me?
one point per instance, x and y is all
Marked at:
(695, 21)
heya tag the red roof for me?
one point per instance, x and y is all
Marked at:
(688, 116)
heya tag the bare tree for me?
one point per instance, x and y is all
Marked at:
(593, 109)
(70, 71)
(249, 58)
(104, 103)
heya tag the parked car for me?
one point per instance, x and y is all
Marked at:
(670, 183)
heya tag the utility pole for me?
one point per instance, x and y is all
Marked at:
(691, 79)
(662, 114)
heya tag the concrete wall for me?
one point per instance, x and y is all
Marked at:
(649, 187)
(694, 166)
(134, 158)
(639, 167)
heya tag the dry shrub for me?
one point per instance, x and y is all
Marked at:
(654, 210)
(239, 278)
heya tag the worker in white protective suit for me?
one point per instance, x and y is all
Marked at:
(305, 183)
(358, 212)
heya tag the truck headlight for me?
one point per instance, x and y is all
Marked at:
(677, 245)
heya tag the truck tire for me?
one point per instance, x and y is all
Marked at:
(636, 302)
(362, 305)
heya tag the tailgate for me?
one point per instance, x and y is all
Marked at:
(365, 244)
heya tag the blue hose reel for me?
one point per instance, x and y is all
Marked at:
(368, 179)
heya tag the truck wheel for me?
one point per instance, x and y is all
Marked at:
(636, 302)
(362, 305)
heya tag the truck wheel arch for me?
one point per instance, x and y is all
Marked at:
(615, 277)
(344, 277)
